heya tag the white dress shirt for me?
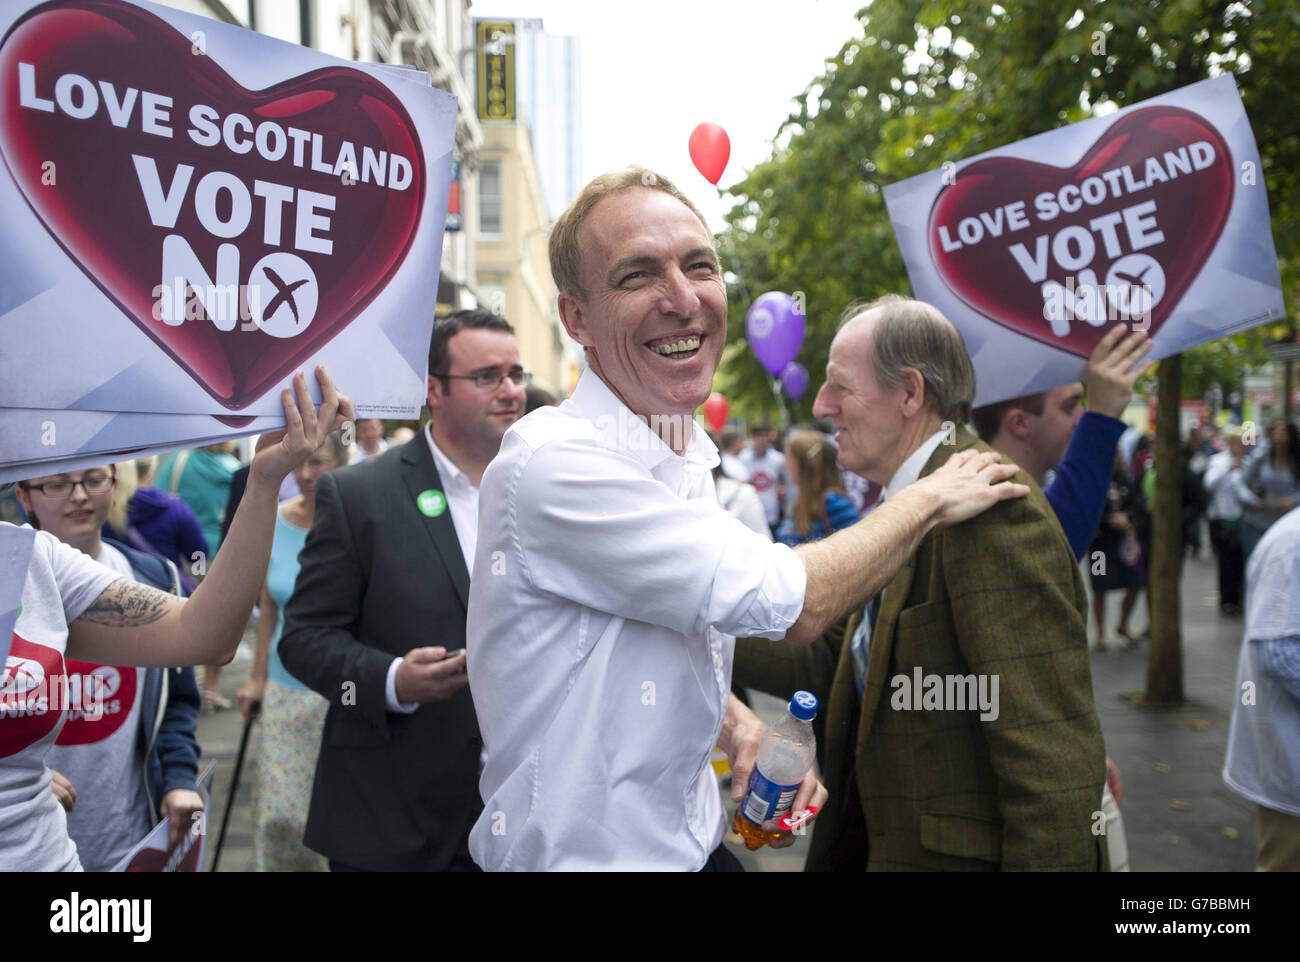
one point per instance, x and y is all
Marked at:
(733, 467)
(360, 454)
(766, 473)
(462, 502)
(909, 472)
(602, 615)
(462, 499)
(1228, 491)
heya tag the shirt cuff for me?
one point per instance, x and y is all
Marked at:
(775, 603)
(390, 692)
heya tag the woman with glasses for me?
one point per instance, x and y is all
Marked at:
(127, 755)
(293, 715)
(75, 607)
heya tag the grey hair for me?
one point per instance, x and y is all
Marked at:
(911, 333)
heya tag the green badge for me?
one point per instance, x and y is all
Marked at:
(431, 503)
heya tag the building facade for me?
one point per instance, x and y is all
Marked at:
(513, 266)
(527, 100)
(516, 168)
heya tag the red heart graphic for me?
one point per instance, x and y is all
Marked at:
(96, 208)
(1191, 207)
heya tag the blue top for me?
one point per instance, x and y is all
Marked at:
(1078, 492)
(280, 577)
(839, 509)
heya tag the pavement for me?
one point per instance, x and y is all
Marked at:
(1178, 815)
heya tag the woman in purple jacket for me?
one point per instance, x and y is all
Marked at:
(167, 524)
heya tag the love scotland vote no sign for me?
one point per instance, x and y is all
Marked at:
(191, 212)
(1154, 216)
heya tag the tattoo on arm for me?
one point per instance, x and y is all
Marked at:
(127, 604)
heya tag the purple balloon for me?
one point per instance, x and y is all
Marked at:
(795, 380)
(775, 330)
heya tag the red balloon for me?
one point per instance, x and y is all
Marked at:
(716, 410)
(710, 151)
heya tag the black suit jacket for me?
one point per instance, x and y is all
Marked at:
(393, 792)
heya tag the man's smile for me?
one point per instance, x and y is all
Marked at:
(677, 347)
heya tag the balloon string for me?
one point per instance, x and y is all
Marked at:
(735, 258)
(775, 382)
(780, 400)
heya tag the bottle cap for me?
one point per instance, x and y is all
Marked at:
(803, 705)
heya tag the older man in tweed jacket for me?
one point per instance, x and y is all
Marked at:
(961, 733)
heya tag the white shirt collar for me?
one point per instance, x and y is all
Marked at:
(592, 399)
(910, 470)
(447, 470)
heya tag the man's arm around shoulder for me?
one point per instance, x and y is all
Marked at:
(853, 565)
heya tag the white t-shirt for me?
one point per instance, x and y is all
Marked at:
(740, 500)
(360, 454)
(96, 752)
(766, 472)
(1263, 758)
(61, 584)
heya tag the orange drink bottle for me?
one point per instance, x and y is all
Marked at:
(785, 755)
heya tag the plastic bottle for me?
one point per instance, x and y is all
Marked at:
(784, 756)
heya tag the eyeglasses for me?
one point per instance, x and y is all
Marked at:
(94, 484)
(490, 380)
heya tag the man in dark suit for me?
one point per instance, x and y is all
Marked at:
(961, 733)
(376, 622)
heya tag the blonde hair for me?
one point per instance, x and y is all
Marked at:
(128, 480)
(565, 246)
(819, 474)
(146, 468)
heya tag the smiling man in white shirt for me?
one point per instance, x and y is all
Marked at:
(609, 585)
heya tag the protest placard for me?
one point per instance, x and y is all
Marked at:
(41, 442)
(25, 470)
(151, 854)
(1154, 216)
(191, 212)
(15, 555)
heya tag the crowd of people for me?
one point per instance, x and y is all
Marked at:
(512, 642)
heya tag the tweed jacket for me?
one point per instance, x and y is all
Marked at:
(925, 788)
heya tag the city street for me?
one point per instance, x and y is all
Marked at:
(1178, 814)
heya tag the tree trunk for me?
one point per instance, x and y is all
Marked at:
(1165, 663)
